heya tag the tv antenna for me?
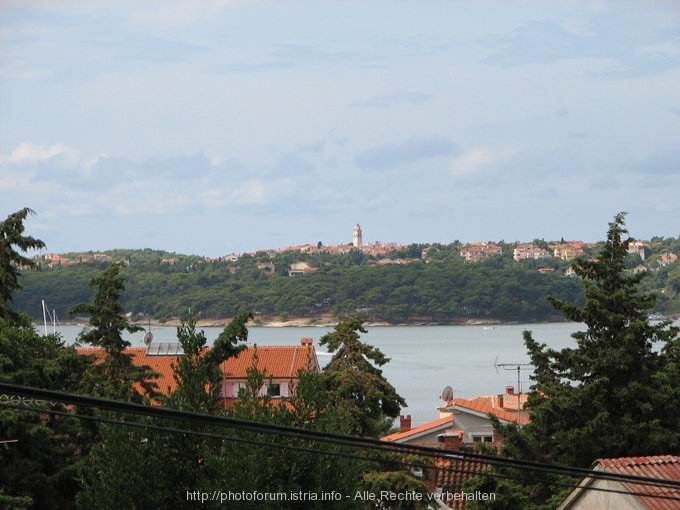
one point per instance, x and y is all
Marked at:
(148, 337)
(518, 367)
(447, 394)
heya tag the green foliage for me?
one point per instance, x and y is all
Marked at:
(614, 395)
(445, 289)
(115, 376)
(197, 373)
(39, 470)
(11, 235)
(169, 465)
(354, 384)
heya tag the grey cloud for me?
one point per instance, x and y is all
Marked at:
(179, 167)
(547, 194)
(291, 164)
(546, 42)
(397, 97)
(413, 149)
(537, 42)
(675, 111)
(289, 56)
(661, 168)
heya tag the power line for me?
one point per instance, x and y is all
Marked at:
(313, 435)
(346, 455)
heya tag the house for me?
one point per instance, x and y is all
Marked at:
(567, 251)
(570, 272)
(282, 363)
(642, 497)
(461, 425)
(268, 267)
(546, 269)
(465, 418)
(667, 258)
(530, 251)
(638, 269)
(637, 247)
(300, 268)
(478, 251)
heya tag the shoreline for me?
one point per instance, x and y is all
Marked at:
(330, 322)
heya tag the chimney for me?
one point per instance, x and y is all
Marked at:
(307, 341)
(453, 441)
(500, 401)
(509, 390)
(404, 423)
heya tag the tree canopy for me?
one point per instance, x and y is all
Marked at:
(616, 394)
(11, 236)
(355, 383)
(114, 376)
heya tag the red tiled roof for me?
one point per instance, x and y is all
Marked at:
(441, 422)
(665, 466)
(451, 476)
(481, 407)
(278, 361)
(162, 364)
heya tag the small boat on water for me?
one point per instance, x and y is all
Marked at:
(489, 327)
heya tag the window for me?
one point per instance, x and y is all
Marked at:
(274, 390)
(236, 387)
(482, 439)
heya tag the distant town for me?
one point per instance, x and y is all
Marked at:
(471, 252)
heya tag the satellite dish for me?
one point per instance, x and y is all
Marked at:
(447, 394)
(147, 338)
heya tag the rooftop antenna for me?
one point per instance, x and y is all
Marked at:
(148, 337)
(518, 367)
(447, 394)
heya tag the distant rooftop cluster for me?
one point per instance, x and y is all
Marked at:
(53, 259)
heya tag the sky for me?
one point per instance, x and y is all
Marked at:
(228, 126)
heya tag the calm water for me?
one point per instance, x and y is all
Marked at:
(424, 359)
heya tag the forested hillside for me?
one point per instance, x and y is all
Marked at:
(442, 288)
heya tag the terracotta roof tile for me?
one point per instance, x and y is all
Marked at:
(481, 407)
(665, 466)
(441, 422)
(451, 476)
(278, 361)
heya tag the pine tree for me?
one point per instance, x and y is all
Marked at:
(114, 376)
(11, 234)
(355, 384)
(616, 394)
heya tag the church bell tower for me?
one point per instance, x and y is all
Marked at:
(357, 240)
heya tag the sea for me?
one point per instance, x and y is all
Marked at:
(474, 360)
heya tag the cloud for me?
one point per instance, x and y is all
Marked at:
(287, 56)
(400, 96)
(547, 194)
(411, 150)
(290, 163)
(618, 54)
(537, 42)
(659, 169)
(472, 162)
(31, 152)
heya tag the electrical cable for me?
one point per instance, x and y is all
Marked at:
(344, 440)
(172, 414)
(338, 454)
